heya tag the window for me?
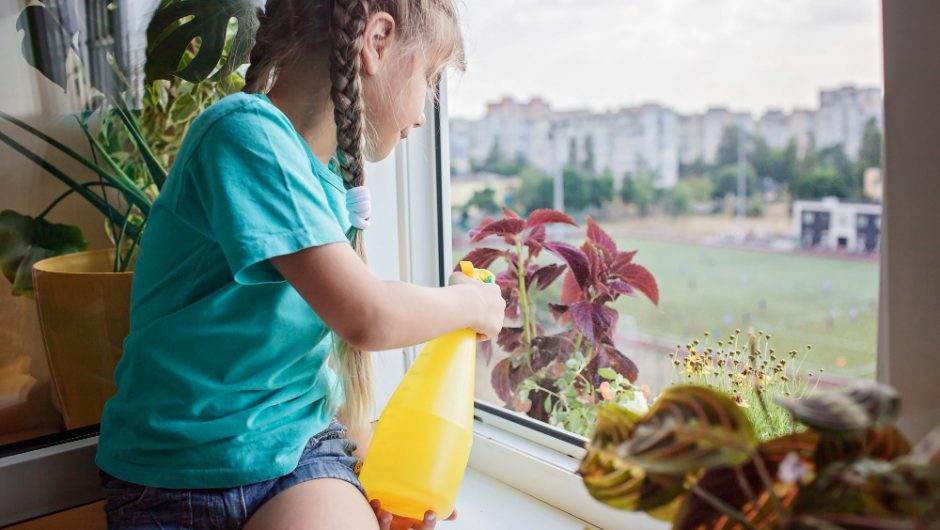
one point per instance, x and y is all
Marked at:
(734, 171)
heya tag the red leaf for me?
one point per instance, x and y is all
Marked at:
(622, 259)
(621, 287)
(575, 257)
(544, 216)
(534, 240)
(503, 227)
(485, 350)
(500, 380)
(558, 310)
(583, 315)
(570, 292)
(510, 339)
(475, 230)
(481, 257)
(544, 276)
(509, 214)
(642, 280)
(505, 378)
(610, 357)
(545, 350)
(596, 234)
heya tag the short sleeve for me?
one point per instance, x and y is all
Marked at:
(258, 192)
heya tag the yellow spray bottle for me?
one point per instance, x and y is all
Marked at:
(421, 444)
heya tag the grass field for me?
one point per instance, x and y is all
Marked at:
(828, 303)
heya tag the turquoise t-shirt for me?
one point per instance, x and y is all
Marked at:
(224, 375)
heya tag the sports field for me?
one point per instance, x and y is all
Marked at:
(830, 303)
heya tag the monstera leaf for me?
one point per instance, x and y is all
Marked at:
(177, 24)
(24, 241)
(46, 42)
(615, 481)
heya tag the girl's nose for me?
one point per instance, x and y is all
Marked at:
(420, 122)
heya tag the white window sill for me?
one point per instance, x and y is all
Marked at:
(542, 484)
(484, 502)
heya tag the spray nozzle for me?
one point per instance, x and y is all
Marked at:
(482, 275)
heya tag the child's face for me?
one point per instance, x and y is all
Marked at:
(394, 101)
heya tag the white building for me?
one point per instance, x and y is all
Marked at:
(836, 225)
(774, 128)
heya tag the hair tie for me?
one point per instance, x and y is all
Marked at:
(359, 204)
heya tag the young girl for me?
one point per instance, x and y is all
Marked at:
(222, 418)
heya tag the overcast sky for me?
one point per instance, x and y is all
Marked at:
(689, 54)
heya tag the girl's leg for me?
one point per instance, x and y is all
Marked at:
(320, 504)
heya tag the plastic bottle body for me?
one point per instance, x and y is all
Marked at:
(421, 444)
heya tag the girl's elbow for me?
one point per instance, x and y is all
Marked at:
(366, 332)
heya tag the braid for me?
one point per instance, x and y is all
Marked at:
(347, 25)
(348, 21)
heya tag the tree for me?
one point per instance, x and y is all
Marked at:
(484, 200)
(834, 157)
(725, 180)
(820, 182)
(870, 153)
(728, 147)
(589, 161)
(535, 191)
(638, 190)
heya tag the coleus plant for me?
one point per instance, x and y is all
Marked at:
(547, 373)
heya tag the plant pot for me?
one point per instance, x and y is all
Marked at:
(84, 314)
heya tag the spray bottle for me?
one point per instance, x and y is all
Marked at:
(421, 444)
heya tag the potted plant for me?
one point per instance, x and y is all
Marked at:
(83, 296)
(695, 459)
(559, 371)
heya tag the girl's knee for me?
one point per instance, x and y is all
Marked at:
(314, 505)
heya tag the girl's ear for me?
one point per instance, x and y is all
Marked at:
(377, 39)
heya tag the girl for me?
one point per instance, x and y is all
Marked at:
(222, 418)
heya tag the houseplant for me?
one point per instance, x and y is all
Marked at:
(560, 371)
(694, 459)
(83, 298)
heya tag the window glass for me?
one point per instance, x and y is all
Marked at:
(715, 139)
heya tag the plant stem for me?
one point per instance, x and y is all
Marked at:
(722, 507)
(523, 297)
(66, 194)
(768, 482)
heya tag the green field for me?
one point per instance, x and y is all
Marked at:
(828, 303)
(831, 304)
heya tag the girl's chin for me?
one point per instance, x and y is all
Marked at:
(379, 153)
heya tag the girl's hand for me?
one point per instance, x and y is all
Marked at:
(388, 521)
(492, 306)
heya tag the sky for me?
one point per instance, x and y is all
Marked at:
(749, 55)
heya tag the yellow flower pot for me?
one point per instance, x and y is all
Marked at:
(84, 313)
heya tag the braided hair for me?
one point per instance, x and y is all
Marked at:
(287, 30)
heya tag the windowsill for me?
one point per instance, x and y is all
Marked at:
(543, 481)
(484, 502)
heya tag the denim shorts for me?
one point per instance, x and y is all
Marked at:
(132, 506)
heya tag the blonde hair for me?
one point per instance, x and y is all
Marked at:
(292, 29)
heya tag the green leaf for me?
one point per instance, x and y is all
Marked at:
(689, 429)
(607, 373)
(614, 480)
(24, 241)
(39, 26)
(177, 24)
(861, 406)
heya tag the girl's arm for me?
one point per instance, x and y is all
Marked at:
(374, 315)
